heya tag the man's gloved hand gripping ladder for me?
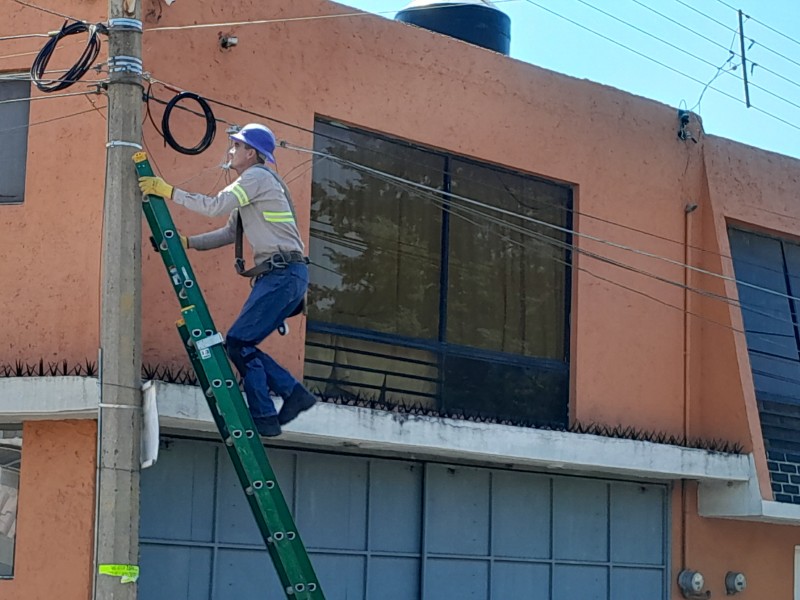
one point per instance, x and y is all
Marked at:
(204, 344)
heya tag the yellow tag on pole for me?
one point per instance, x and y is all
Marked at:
(126, 573)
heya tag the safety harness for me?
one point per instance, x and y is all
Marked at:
(278, 260)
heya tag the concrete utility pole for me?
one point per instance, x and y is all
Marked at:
(120, 416)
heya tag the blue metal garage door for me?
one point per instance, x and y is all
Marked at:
(398, 530)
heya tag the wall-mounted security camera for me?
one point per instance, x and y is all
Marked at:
(228, 41)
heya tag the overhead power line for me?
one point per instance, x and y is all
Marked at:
(736, 31)
(52, 120)
(23, 36)
(541, 239)
(791, 39)
(666, 66)
(32, 98)
(47, 10)
(684, 51)
(302, 18)
(511, 213)
(459, 211)
(715, 42)
(565, 230)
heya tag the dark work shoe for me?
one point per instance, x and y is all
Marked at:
(268, 426)
(299, 400)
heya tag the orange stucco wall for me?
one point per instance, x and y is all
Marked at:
(635, 360)
(55, 519)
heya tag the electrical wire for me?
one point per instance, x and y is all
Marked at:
(211, 124)
(46, 10)
(567, 246)
(571, 247)
(560, 229)
(542, 241)
(791, 39)
(713, 41)
(478, 182)
(684, 51)
(81, 66)
(305, 18)
(700, 12)
(666, 66)
(32, 98)
(23, 36)
(75, 114)
(736, 31)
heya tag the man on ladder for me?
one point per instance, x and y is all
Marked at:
(260, 206)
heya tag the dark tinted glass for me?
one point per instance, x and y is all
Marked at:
(14, 149)
(507, 278)
(375, 246)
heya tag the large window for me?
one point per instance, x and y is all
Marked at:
(768, 273)
(14, 129)
(424, 298)
(10, 456)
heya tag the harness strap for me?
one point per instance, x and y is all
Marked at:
(268, 265)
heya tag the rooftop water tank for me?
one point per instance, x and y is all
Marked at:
(475, 21)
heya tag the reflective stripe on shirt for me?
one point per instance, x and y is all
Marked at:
(278, 217)
(240, 194)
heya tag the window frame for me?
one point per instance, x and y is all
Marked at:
(440, 347)
(9, 80)
(18, 431)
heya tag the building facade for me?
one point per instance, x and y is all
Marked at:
(557, 342)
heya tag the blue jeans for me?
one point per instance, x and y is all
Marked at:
(273, 298)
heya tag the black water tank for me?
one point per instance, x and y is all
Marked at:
(474, 21)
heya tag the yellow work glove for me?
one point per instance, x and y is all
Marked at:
(184, 241)
(155, 186)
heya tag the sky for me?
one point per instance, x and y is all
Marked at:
(694, 42)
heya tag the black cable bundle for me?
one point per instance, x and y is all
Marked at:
(79, 69)
(211, 124)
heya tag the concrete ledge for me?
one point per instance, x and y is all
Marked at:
(743, 501)
(31, 398)
(184, 409)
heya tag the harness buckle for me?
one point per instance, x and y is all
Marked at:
(279, 261)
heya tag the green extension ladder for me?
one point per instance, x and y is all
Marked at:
(204, 344)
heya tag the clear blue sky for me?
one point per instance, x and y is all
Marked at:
(545, 39)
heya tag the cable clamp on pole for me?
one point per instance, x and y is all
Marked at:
(128, 64)
(115, 143)
(125, 24)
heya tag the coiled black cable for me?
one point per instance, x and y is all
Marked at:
(78, 70)
(211, 124)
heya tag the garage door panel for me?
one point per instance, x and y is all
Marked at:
(246, 574)
(186, 469)
(520, 515)
(580, 519)
(235, 521)
(382, 529)
(393, 578)
(637, 524)
(341, 576)
(635, 584)
(458, 510)
(578, 582)
(454, 578)
(170, 572)
(331, 501)
(526, 581)
(395, 506)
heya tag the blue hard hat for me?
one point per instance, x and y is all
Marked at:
(259, 137)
